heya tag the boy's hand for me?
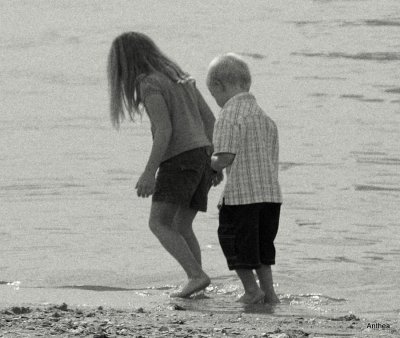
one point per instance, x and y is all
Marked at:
(145, 185)
(217, 178)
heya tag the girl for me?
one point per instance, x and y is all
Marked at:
(182, 124)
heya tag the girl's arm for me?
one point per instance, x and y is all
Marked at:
(206, 115)
(158, 113)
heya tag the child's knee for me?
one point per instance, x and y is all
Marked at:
(186, 233)
(184, 229)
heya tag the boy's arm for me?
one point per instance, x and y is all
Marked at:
(157, 110)
(226, 143)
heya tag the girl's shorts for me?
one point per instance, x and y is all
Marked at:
(247, 233)
(185, 179)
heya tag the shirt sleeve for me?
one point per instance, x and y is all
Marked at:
(226, 137)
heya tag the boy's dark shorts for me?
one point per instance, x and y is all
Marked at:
(185, 179)
(247, 233)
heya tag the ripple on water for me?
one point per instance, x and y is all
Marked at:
(373, 100)
(369, 22)
(375, 157)
(105, 288)
(366, 56)
(221, 297)
(30, 187)
(50, 38)
(331, 241)
(321, 78)
(311, 302)
(369, 225)
(366, 187)
(314, 298)
(318, 95)
(393, 90)
(301, 23)
(256, 56)
(361, 98)
(49, 189)
(98, 288)
(343, 259)
(374, 23)
(385, 253)
(304, 222)
(288, 165)
(374, 258)
(218, 302)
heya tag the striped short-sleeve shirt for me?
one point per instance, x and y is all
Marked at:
(245, 130)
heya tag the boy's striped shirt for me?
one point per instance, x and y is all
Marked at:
(244, 129)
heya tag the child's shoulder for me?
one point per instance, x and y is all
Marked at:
(153, 77)
(152, 81)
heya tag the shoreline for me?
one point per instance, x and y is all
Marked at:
(35, 312)
(174, 320)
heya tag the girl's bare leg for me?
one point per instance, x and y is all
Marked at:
(162, 216)
(266, 283)
(253, 294)
(183, 223)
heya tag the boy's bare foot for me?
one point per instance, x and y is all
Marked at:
(252, 298)
(194, 285)
(271, 298)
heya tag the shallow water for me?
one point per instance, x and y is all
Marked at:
(325, 71)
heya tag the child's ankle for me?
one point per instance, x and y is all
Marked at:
(201, 275)
(252, 290)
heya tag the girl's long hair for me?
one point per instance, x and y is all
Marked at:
(133, 55)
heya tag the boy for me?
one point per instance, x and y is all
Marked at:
(246, 144)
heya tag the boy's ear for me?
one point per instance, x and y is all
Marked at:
(219, 84)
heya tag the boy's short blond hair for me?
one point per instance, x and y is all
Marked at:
(230, 69)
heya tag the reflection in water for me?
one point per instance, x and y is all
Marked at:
(218, 302)
(221, 297)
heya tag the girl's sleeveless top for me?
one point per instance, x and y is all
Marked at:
(185, 106)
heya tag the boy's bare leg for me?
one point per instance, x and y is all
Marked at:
(161, 220)
(266, 283)
(183, 223)
(253, 294)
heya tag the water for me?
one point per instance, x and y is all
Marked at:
(326, 71)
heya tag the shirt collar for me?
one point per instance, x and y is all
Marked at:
(237, 97)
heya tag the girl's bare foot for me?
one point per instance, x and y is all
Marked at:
(252, 298)
(194, 285)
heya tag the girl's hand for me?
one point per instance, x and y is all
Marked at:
(217, 178)
(145, 185)
(210, 150)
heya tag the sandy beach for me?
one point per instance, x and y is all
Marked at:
(175, 321)
(106, 314)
